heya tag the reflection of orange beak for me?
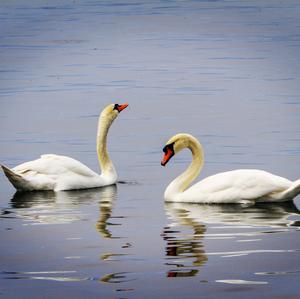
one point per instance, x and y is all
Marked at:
(168, 155)
(122, 107)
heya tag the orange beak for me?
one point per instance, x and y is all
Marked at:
(168, 155)
(122, 107)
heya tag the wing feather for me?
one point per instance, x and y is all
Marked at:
(51, 164)
(238, 184)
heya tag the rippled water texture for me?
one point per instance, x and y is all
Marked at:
(225, 71)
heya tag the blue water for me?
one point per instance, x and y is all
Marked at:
(227, 72)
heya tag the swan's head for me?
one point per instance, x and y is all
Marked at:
(175, 145)
(111, 112)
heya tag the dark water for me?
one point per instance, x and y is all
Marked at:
(226, 71)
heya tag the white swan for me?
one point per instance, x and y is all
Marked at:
(57, 173)
(245, 186)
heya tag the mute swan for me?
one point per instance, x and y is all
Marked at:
(57, 173)
(245, 186)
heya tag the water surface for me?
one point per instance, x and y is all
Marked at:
(225, 71)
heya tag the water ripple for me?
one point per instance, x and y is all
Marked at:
(241, 281)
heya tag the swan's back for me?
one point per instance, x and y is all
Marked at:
(51, 164)
(236, 186)
(53, 172)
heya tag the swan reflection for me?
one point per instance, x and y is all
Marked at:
(48, 207)
(185, 250)
(270, 215)
(107, 202)
(117, 278)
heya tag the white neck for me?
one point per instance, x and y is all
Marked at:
(183, 181)
(106, 165)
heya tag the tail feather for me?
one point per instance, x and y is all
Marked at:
(291, 192)
(17, 180)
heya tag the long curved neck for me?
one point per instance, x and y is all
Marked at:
(183, 181)
(106, 164)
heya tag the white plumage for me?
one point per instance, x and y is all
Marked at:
(55, 172)
(237, 186)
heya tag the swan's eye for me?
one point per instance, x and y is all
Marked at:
(165, 149)
(169, 147)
